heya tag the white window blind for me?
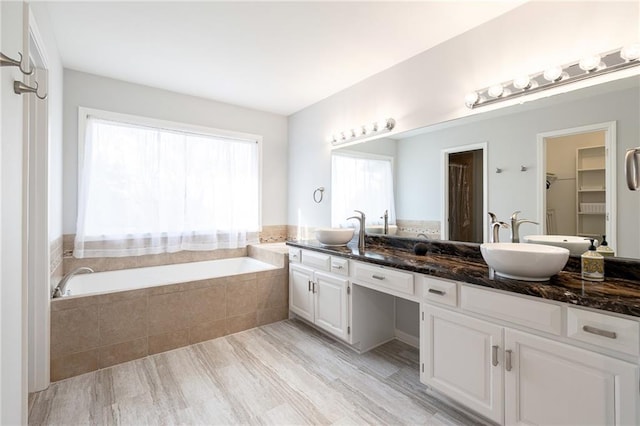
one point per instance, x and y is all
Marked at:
(147, 190)
(361, 182)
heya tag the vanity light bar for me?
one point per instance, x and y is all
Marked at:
(359, 132)
(587, 67)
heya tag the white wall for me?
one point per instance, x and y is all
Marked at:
(430, 87)
(13, 370)
(87, 90)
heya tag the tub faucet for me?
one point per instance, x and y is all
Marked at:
(60, 289)
(494, 228)
(362, 220)
(515, 226)
(385, 216)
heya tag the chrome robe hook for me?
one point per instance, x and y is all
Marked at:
(6, 61)
(20, 88)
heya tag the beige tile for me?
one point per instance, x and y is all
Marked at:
(241, 298)
(167, 312)
(74, 365)
(123, 321)
(267, 316)
(272, 291)
(74, 330)
(167, 341)
(207, 331)
(122, 352)
(241, 323)
(63, 303)
(206, 304)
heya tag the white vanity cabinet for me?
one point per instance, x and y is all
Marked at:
(486, 353)
(320, 298)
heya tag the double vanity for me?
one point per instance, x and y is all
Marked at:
(565, 351)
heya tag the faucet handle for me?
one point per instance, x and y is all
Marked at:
(515, 214)
(493, 217)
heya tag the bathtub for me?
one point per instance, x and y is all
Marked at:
(118, 316)
(153, 276)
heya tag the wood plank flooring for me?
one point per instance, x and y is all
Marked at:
(281, 373)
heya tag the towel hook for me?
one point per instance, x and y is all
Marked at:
(6, 61)
(20, 88)
(318, 198)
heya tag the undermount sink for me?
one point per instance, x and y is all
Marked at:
(379, 229)
(575, 245)
(522, 261)
(334, 236)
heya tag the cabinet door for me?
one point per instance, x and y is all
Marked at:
(551, 383)
(300, 294)
(331, 304)
(462, 358)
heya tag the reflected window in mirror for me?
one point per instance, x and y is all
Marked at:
(361, 181)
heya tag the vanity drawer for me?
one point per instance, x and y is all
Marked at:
(339, 266)
(440, 291)
(315, 260)
(610, 332)
(540, 316)
(294, 255)
(379, 276)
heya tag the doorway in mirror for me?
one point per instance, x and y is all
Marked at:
(464, 179)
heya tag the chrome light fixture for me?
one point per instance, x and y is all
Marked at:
(587, 67)
(360, 132)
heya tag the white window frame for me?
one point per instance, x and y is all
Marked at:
(84, 112)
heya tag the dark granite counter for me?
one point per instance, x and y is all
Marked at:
(620, 292)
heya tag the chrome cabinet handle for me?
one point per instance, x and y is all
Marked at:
(439, 293)
(336, 266)
(313, 286)
(631, 169)
(494, 355)
(507, 359)
(309, 287)
(600, 332)
(378, 277)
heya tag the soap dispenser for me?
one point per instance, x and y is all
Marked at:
(592, 264)
(604, 248)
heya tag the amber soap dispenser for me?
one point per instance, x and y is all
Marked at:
(592, 264)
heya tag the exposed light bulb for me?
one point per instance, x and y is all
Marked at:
(495, 91)
(522, 82)
(630, 52)
(471, 99)
(590, 63)
(553, 73)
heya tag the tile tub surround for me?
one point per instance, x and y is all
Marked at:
(463, 262)
(269, 234)
(93, 332)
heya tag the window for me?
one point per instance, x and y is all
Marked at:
(363, 182)
(148, 187)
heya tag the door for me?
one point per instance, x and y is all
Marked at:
(331, 301)
(553, 383)
(300, 294)
(462, 359)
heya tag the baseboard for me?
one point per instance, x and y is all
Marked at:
(407, 338)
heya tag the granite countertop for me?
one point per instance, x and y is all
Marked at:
(463, 262)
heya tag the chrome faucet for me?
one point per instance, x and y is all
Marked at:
(515, 226)
(60, 289)
(362, 219)
(494, 228)
(385, 216)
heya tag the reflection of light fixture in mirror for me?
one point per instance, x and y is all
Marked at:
(587, 67)
(359, 132)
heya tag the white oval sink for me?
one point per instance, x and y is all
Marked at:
(334, 236)
(576, 245)
(527, 262)
(379, 229)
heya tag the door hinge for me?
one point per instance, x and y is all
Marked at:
(349, 330)
(348, 290)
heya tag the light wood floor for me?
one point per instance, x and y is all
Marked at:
(282, 373)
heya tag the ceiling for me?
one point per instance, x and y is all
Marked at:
(278, 57)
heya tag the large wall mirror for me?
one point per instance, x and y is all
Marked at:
(517, 179)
